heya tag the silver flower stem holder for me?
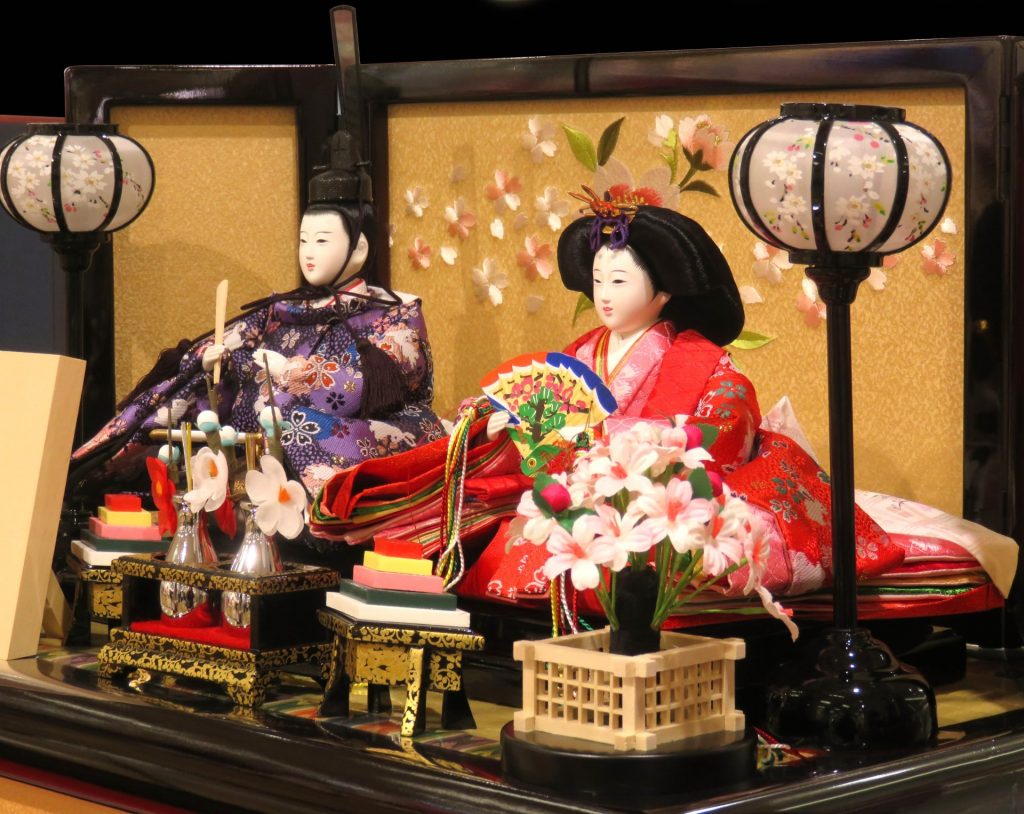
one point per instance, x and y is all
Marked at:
(189, 547)
(257, 556)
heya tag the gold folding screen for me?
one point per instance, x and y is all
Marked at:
(225, 206)
(908, 333)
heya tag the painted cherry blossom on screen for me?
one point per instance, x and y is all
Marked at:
(539, 139)
(419, 254)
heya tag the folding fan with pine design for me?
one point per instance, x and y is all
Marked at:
(553, 399)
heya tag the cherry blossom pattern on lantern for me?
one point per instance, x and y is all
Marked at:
(770, 262)
(539, 139)
(551, 209)
(938, 259)
(460, 220)
(449, 254)
(416, 201)
(809, 305)
(535, 258)
(785, 168)
(280, 503)
(497, 229)
(503, 193)
(864, 157)
(948, 226)
(419, 254)
(488, 281)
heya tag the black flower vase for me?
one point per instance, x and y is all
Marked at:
(636, 594)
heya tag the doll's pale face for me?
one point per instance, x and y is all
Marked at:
(624, 297)
(323, 248)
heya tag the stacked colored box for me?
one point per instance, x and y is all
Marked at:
(121, 528)
(395, 585)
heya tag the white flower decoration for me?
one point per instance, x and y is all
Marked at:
(551, 210)
(749, 295)
(663, 125)
(498, 229)
(540, 140)
(416, 201)
(280, 503)
(488, 281)
(770, 262)
(209, 481)
(449, 255)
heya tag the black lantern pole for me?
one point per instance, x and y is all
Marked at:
(839, 187)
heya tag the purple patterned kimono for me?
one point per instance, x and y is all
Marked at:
(319, 390)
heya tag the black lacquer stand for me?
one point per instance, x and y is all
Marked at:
(847, 690)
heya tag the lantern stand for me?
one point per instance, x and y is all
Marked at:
(846, 689)
(75, 184)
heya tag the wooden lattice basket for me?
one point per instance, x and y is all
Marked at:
(572, 686)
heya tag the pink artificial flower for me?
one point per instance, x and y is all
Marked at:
(672, 511)
(419, 254)
(808, 303)
(530, 524)
(460, 221)
(711, 139)
(626, 532)
(535, 259)
(503, 192)
(775, 609)
(937, 258)
(681, 444)
(579, 553)
(724, 543)
(756, 549)
(625, 467)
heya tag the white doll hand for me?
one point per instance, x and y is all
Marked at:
(211, 355)
(496, 423)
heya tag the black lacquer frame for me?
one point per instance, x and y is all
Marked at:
(987, 70)
(990, 71)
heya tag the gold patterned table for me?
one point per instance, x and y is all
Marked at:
(385, 655)
(283, 630)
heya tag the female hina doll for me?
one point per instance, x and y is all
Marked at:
(667, 302)
(348, 363)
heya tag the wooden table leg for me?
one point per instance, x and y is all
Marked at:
(378, 699)
(336, 692)
(455, 711)
(415, 714)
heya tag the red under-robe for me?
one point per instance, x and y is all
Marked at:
(666, 374)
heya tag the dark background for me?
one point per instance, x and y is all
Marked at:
(41, 38)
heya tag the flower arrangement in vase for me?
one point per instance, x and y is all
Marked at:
(641, 522)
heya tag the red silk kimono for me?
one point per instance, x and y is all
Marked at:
(666, 374)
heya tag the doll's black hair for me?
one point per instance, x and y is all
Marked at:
(680, 258)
